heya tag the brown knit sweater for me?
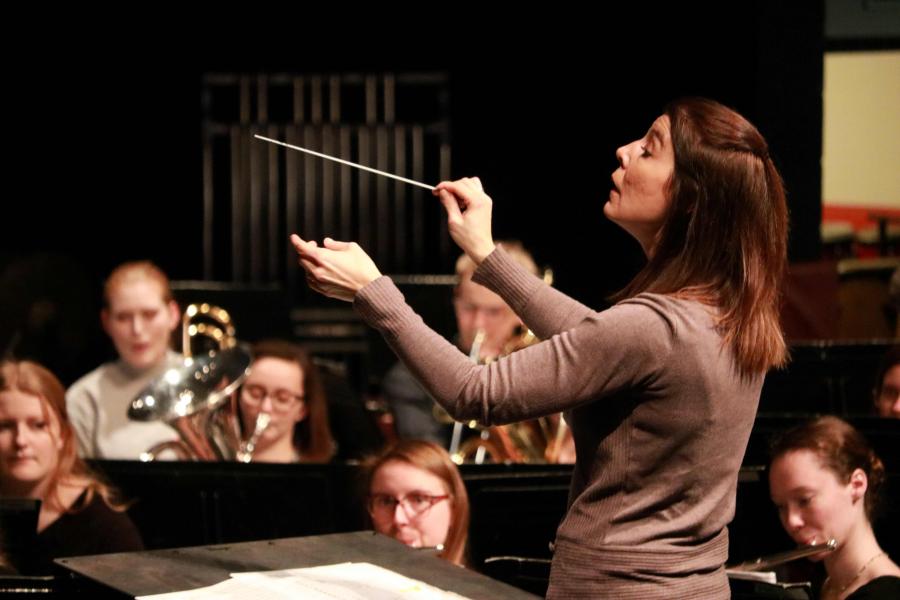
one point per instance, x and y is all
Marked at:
(659, 417)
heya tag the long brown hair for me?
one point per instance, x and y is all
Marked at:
(840, 448)
(33, 379)
(724, 238)
(312, 435)
(430, 457)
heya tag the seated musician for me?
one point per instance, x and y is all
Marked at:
(887, 385)
(824, 479)
(416, 495)
(477, 309)
(284, 383)
(79, 514)
(139, 315)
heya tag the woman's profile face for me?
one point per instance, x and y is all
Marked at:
(813, 504)
(639, 199)
(410, 504)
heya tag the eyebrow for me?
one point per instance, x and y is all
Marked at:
(654, 133)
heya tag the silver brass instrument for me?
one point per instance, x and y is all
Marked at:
(197, 399)
(537, 440)
(767, 562)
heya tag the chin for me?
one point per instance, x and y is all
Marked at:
(141, 361)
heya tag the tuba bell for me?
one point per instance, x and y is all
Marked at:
(197, 398)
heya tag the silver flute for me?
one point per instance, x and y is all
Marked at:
(766, 562)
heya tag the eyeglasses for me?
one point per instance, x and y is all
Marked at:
(383, 506)
(253, 395)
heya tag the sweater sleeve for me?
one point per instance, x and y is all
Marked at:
(545, 310)
(621, 348)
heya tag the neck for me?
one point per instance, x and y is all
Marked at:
(26, 489)
(844, 564)
(134, 371)
(280, 451)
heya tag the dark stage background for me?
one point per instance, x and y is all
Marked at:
(105, 130)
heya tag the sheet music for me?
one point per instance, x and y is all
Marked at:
(343, 581)
(765, 576)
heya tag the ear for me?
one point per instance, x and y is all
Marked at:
(105, 320)
(859, 483)
(174, 315)
(302, 413)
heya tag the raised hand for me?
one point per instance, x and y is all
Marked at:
(335, 269)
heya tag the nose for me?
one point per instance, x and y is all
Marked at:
(266, 404)
(21, 439)
(622, 156)
(137, 325)
(793, 521)
(895, 408)
(400, 516)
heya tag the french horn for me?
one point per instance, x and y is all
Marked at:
(539, 440)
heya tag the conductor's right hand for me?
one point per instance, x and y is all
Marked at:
(468, 216)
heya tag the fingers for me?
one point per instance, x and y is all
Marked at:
(468, 191)
(451, 205)
(304, 249)
(331, 244)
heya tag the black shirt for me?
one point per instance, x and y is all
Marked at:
(94, 529)
(886, 587)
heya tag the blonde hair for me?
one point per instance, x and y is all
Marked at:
(430, 457)
(136, 271)
(465, 266)
(33, 379)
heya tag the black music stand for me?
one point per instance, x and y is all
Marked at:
(131, 574)
(18, 530)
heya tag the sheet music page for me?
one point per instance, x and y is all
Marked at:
(765, 576)
(343, 581)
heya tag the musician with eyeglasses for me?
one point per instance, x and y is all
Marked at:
(416, 495)
(284, 384)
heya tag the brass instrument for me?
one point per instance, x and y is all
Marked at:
(197, 399)
(537, 440)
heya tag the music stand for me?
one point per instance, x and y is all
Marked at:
(131, 574)
(18, 530)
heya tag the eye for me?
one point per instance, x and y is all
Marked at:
(254, 391)
(419, 501)
(383, 501)
(644, 152)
